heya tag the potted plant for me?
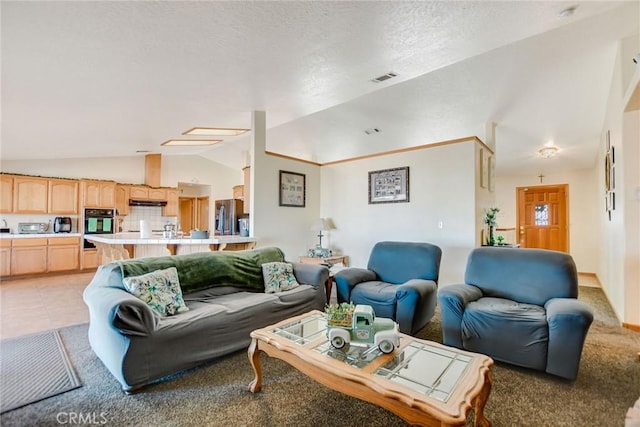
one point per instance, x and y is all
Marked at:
(490, 216)
(500, 240)
(339, 314)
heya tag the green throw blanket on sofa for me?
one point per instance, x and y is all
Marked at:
(208, 269)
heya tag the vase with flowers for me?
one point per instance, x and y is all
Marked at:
(490, 216)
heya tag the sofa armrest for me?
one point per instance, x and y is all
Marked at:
(125, 312)
(569, 321)
(453, 299)
(415, 302)
(315, 275)
(347, 278)
(112, 306)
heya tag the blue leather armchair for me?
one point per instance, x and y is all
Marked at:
(400, 282)
(518, 306)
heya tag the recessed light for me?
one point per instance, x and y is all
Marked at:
(185, 142)
(565, 13)
(215, 131)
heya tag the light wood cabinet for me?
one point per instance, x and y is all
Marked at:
(238, 192)
(6, 193)
(122, 199)
(157, 194)
(63, 254)
(90, 259)
(98, 194)
(30, 195)
(139, 192)
(172, 207)
(246, 190)
(63, 196)
(28, 256)
(5, 257)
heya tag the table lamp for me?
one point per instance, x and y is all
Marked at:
(321, 224)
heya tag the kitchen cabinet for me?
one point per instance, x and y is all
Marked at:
(139, 192)
(157, 194)
(122, 199)
(30, 195)
(63, 254)
(98, 194)
(238, 192)
(62, 196)
(6, 193)
(28, 256)
(90, 259)
(172, 207)
(5, 257)
(247, 189)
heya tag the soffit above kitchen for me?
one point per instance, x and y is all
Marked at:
(126, 76)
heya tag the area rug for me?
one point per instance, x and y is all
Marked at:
(32, 368)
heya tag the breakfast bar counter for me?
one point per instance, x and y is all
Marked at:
(130, 245)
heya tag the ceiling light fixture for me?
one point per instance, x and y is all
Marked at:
(194, 142)
(215, 131)
(565, 13)
(548, 152)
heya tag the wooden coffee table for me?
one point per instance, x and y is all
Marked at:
(423, 382)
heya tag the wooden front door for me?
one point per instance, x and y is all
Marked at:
(542, 217)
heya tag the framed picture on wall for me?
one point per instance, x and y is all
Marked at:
(292, 189)
(389, 185)
(484, 168)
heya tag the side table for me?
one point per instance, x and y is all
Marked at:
(328, 261)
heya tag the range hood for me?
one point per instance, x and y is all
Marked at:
(134, 202)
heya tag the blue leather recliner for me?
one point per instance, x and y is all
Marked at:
(400, 283)
(518, 306)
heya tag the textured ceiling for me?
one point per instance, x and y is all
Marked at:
(89, 79)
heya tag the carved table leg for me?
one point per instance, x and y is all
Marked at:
(481, 400)
(254, 357)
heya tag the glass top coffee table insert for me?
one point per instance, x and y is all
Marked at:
(421, 371)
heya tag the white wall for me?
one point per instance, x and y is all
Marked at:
(618, 269)
(584, 202)
(442, 186)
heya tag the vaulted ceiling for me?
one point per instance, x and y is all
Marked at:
(90, 79)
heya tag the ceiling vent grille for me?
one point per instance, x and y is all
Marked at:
(371, 131)
(384, 77)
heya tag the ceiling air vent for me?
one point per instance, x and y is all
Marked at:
(371, 131)
(384, 77)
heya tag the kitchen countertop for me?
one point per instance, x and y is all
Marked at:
(37, 235)
(135, 239)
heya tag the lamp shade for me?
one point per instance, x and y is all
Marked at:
(322, 224)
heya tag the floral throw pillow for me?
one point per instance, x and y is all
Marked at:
(278, 277)
(160, 289)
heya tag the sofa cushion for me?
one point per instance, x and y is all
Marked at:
(379, 295)
(278, 277)
(203, 270)
(159, 289)
(507, 331)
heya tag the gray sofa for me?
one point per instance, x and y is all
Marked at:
(518, 306)
(225, 296)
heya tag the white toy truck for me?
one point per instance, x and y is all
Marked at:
(359, 325)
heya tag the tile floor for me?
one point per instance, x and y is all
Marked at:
(32, 305)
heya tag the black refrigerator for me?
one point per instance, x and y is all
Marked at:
(227, 212)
